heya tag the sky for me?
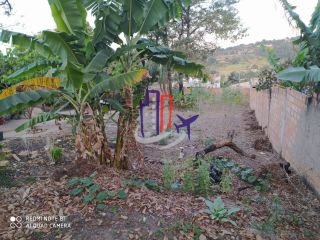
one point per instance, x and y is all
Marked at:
(265, 19)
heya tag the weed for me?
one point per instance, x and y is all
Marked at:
(150, 184)
(276, 208)
(203, 178)
(158, 234)
(90, 191)
(169, 175)
(232, 96)
(308, 233)
(217, 211)
(226, 181)
(295, 220)
(269, 225)
(114, 209)
(188, 182)
(56, 153)
(246, 174)
(163, 142)
(260, 199)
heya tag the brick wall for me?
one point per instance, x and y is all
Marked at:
(292, 123)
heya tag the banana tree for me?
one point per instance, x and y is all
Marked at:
(309, 42)
(124, 23)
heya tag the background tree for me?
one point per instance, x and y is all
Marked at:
(196, 32)
(233, 78)
(201, 24)
(6, 5)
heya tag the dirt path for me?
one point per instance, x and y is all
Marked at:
(147, 213)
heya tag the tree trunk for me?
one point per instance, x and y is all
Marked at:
(169, 75)
(126, 143)
(91, 141)
(181, 89)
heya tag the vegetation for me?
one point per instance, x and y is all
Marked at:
(218, 18)
(56, 153)
(169, 175)
(218, 212)
(203, 180)
(268, 227)
(91, 192)
(90, 70)
(247, 60)
(306, 69)
(226, 181)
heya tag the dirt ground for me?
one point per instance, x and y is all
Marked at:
(39, 188)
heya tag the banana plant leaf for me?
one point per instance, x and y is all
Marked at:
(42, 117)
(300, 74)
(70, 16)
(26, 99)
(117, 82)
(30, 69)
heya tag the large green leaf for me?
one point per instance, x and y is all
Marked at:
(299, 74)
(42, 117)
(99, 61)
(42, 48)
(73, 76)
(30, 69)
(107, 23)
(23, 100)
(20, 39)
(26, 42)
(59, 46)
(70, 16)
(118, 82)
(158, 13)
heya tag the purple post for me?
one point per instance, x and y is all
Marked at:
(145, 103)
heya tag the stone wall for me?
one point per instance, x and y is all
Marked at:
(292, 122)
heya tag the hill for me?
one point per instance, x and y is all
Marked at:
(248, 59)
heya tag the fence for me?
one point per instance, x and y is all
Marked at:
(292, 122)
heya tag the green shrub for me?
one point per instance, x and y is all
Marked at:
(168, 175)
(226, 181)
(188, 181)
(203, 178)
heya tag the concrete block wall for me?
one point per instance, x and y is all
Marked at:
(292, 122)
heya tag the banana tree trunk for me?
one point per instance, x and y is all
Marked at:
(126, 143)
(169, 75)
(91, 141)
(181, 89)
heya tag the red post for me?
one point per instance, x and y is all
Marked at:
(162, 101)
